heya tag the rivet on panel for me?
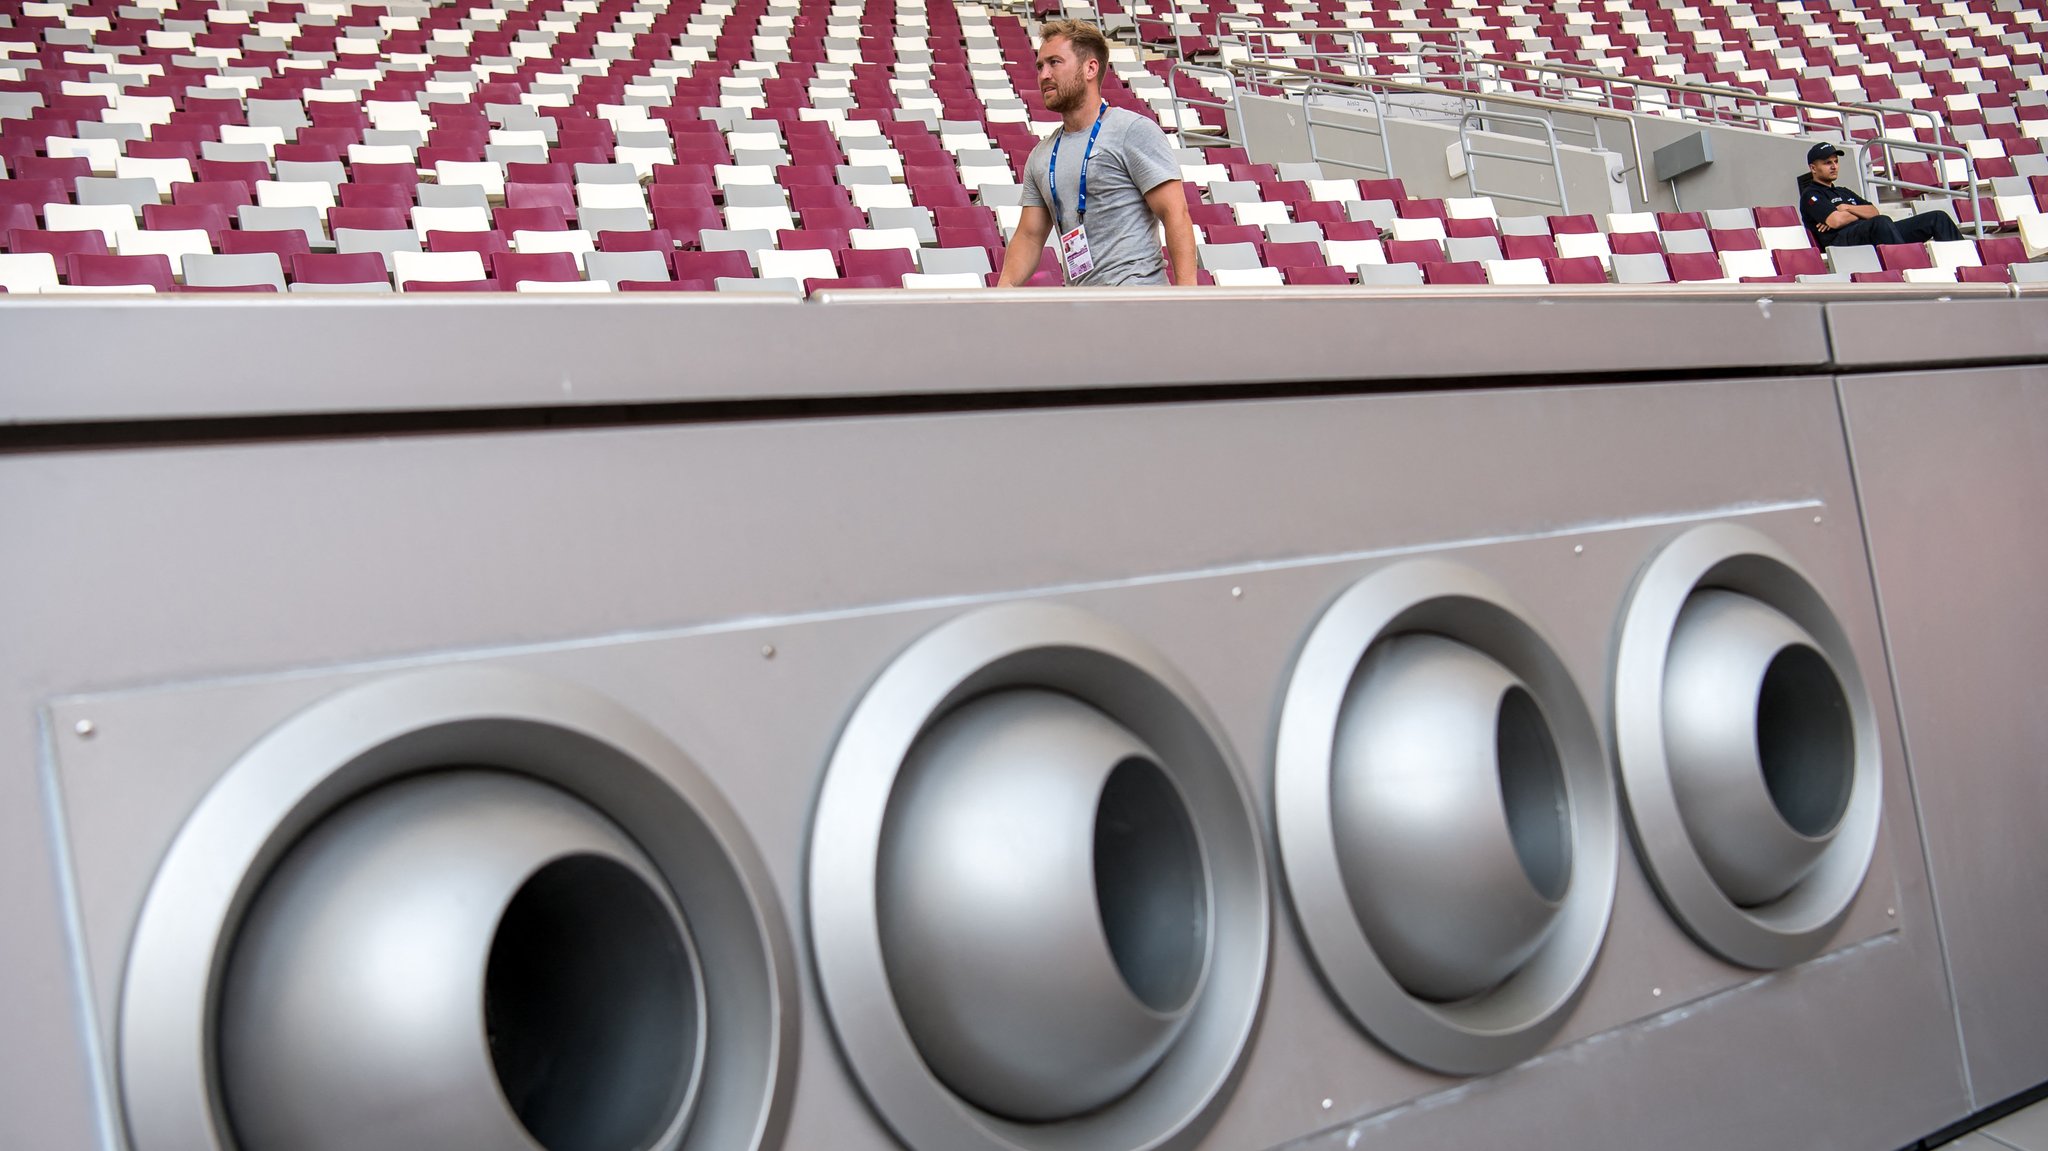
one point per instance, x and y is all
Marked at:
(1237, 593)
(1891, 912)
(767, 651)
(84, 728)
(1816, 519)
(1578, 549)
(1656, 993)
(1328, 1103)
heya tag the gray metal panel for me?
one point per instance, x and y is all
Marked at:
(1952, 469)
(736, 526)
(46, 1094)
(2024, 1131)
(657, 564)
(1883, 334)
(424, 355)
(1977, 1141)
(1682, 155)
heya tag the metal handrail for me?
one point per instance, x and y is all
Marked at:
(1309, 122)
(1257, 36)
(1475, 72)
(1840, 109)
(1423, 52)
(1473, 69)
(1253, 34)
(1470, 153)
(1173, 29)
(1513, 101)
(1202, 137)
(1890, 180)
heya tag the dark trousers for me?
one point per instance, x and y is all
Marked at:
(1935, 225)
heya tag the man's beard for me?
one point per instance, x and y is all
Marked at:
(1064, 99)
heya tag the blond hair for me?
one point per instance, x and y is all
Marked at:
(1085, 38)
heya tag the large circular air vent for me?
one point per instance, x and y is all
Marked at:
(459, 909)
(1446, 818)
(1748, 747)
(462, 959)
(1036, 891)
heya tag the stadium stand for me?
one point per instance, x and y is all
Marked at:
(594, 144)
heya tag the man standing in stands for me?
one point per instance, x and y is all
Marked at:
(1099, 181)
(1838, 217)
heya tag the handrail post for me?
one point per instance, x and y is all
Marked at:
(1379, 107)
(1471, 154)
(1890, 180)
(1564, 196)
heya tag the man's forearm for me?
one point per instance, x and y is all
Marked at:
(1180, 253)
(1020, 259)
(1170, 206)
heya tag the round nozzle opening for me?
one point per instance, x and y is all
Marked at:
(1532, 790)
(1805, 740)
(1151, 889)
(587, 1006)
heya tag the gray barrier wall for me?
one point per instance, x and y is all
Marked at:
(718, 572)
(1749, 168)
(1949, 463)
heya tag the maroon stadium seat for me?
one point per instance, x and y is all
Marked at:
(1799, 262)
(117, 271)
(62, 245)
(1452, 272)
(347, 268)
(1689, 267)
(885, 262)
(1575, 270)
(711, 265)
(1901, 257)
(1315, 274)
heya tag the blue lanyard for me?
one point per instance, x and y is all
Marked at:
(1052, 172)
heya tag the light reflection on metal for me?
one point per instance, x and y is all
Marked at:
(1748, 746)
(1760, 743)
(1446, 817)
(1452, 819)
(462, 960)
(1044, 905)
(1037, 891)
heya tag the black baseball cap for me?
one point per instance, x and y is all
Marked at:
(1822, 151)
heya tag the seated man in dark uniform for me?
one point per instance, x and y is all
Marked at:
(1838, 217)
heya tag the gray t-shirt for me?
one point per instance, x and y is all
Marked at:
(1131, 158)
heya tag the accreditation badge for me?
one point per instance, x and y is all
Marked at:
(1074, 255)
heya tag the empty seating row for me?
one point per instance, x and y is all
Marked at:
(1993, 260)
(485, 259)
(411, 270)
(784, 129)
